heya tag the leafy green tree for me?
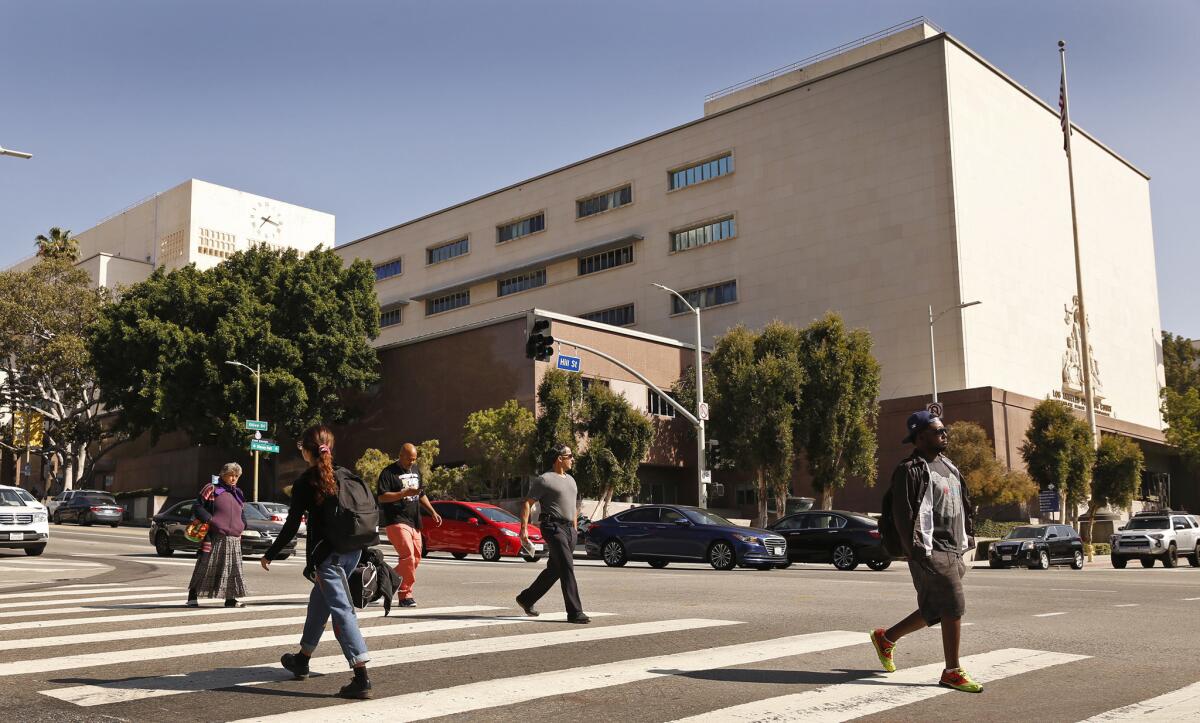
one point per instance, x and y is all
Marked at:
(1181, 396)
(561, 415)
(618, 439)
(1058, 453)
(840, 404)
(989, 482)
(370, 465)
(1181, 363)
(46, 367)
(443, 482)
(59, 245)
(1116, 477)
(160, 350)
(500, 440)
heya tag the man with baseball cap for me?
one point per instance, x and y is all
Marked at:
(927, 517)
(557, 494)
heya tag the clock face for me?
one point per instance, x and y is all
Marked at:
(266, 222)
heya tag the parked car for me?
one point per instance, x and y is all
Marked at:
(167, 528)
(1038, 547)
(475, 527)
(791, 505)
(1159, 535)
(661, 534)
(87, 507)
(845, 539)
(278, 512)
(22, 521)
(58, 500)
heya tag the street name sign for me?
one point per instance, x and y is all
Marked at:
(568, 363)
(264, 445)
(256, 425)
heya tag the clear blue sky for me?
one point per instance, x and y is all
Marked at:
(382, 111)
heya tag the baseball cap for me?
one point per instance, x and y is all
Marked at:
(917, 422)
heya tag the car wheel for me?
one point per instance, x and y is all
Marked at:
(784, 565)
(459, 555)
(1077, 561)
(613, 553)
(658, 564)
(56, 518)
(1147, 562)
(114, 525)
(878, 565)
(1043, 561)
(1119, 562)
(162, 545)
(85, 522)
(35, 550)
(1171, 559)
(721, 556)
(490, 549)
(1194, 558)
(994, 564)
(844, 558)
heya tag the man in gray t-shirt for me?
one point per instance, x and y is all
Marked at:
(556, 492)
(945, 491)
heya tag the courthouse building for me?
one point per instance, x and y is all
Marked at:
(895, 173)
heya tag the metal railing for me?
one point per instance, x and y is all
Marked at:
(130, 207)
(865, 40)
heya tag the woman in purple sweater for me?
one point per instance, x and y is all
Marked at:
(218, 571)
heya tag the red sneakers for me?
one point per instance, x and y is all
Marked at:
(883, 648)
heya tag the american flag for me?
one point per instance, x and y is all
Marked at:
(1064, 119)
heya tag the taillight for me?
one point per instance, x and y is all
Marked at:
(277, 518)
(97, 509)
(874, 534)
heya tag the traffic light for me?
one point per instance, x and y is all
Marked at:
(713, 457)
(540, 345)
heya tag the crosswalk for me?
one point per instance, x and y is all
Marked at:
(95, 651)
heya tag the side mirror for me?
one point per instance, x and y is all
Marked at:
(1122, 527)
(472, 520)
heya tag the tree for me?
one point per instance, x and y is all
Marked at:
(1181, 396)
(1116, 477)
(59, 245)
(370, 465)
(160, 350)
(989, 482)
(1181, 363)
(561, 418)
(618, 439)
(442, 482)
(840, 405)
(1058, 453)
(500, 439)
(45, 363)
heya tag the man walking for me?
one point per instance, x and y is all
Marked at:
(556, 491)
(400, 500)
(927, 517)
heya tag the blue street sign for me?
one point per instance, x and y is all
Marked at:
(1048, 500)
(568, 363)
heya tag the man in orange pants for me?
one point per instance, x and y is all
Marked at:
(400, 500)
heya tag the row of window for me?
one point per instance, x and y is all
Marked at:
(388, 270)
(703, 235)
(391, 317)
(605, 260)
(616, 316)
(447, 251)
(445, 303)
(521, 282)
(656, 404)
(702, 298)
(603, 202)
(524, 227)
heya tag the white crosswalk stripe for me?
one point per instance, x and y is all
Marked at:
(1178, 705)
(154, 603)
(62, 592)
(101, 598)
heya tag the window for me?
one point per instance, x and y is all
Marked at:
(788, 523)
(605, 260)
(709, 233)
(173, 247)
(604, 202)
(447, 302)
(589, 381)
(216, 243)
(701, 172)
(521, 282)
(388, 270)
(517, 229)
(392, 316)
(641, 514)
(745, 494)
(715, 295)
(616, 316)
(447, 251)
(670, 516)
(657, 405)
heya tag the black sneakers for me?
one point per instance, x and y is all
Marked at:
(578, 618)
(359, 688)
(296, 664)
(233, 603)
(527, 608)
(408, 603)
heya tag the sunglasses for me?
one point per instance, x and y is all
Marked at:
(943, 432)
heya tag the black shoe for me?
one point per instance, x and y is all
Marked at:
(408, 603)
(357, 689)
(296, 664)
(232, 603)
(578, 619)
(528, 609)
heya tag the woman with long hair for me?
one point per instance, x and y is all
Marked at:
(315, 494)
(218, 570)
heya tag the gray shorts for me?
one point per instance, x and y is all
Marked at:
(939, 591)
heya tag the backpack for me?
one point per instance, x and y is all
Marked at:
(364, 585)
(354, 516)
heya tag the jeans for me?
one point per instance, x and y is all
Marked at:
(330, 597)
(407, 542)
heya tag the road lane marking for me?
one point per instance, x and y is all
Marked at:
(1047, 615)
(1182, 704)
(110, 587)
(177, 612)
(520, 689)
(51, 563)
(1077, 589)
(162, 652)
(1126, 605)
(847, 701)
(200, 628)
(57, 612)
(76, 601)
(1189, 599)
(123, 691)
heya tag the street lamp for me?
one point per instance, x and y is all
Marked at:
(256, 371)
(701, 408)
(15, 154)
(932, 351)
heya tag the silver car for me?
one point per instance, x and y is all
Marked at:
(277, 512)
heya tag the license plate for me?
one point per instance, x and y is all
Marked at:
(1006, 558)
(16, 535)
(776, 550)
(538, 547)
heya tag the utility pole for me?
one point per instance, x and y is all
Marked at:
(257, 372)
(701, 407)
(932, 349)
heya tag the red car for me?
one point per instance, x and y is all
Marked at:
(475, 527)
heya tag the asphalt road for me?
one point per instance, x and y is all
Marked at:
(98, 631)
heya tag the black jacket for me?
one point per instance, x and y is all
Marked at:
(905, 533)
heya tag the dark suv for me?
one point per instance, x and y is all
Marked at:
(1038, 547)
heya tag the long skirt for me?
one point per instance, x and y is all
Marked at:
(218, 571)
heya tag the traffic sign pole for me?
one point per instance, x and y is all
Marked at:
(257, 414)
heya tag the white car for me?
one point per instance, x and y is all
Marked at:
(23, 521)
(1163, 535)
(277, 512)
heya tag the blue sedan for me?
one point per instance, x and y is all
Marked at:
(661, 534)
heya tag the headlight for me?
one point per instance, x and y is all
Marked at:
(748, 538)
(251, 533)
(1157, 537)
(509, 533)
(39, 516)
(1026, 545)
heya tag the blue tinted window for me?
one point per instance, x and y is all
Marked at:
(388, 270)
(447, 251)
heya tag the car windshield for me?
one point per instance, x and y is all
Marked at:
(100, 499)
(11, 498)
(498, 515)
(704, 517)
(1148, 523)
(252, 513)
(1027, 533)
(275, 507)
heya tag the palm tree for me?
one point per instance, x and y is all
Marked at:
(59, 244)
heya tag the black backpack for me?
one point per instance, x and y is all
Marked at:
(354, 517)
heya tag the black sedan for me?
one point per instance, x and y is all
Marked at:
(661, 534)
(843, 538)
(1038, 547)
(90, 508)
(167, 528)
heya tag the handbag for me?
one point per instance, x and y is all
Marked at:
(196, 530)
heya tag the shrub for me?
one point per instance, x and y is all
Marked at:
(992, 528)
